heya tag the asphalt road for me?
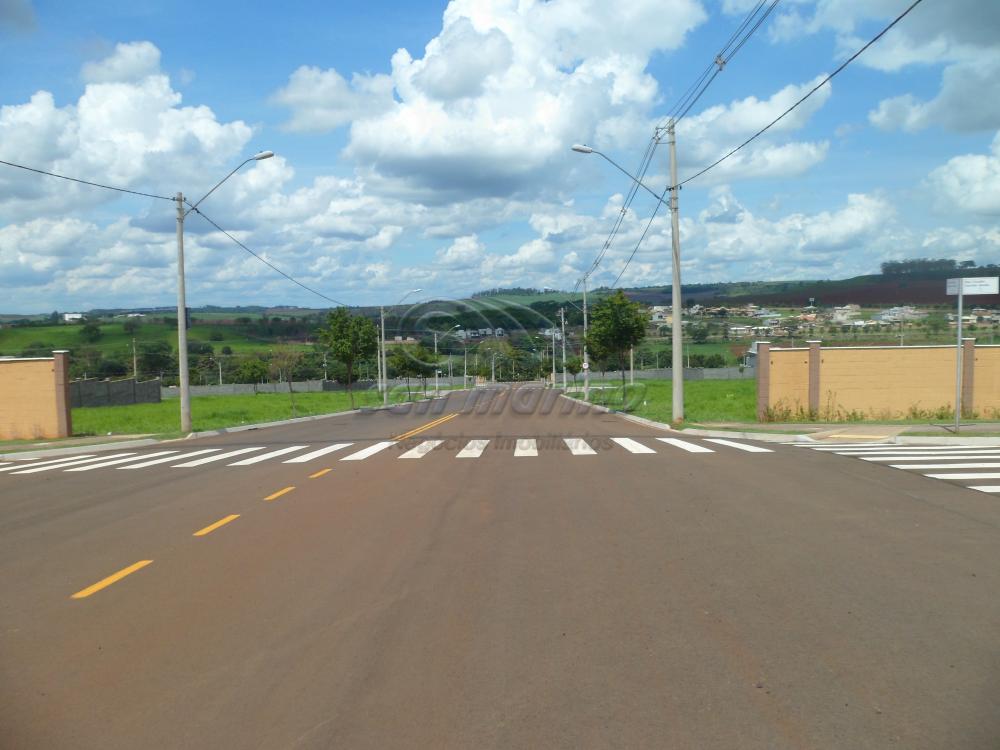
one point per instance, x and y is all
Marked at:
(669, 599)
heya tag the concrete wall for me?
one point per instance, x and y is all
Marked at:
(877, 382)
(113, 392)
(34, 398)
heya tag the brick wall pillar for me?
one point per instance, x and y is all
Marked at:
(814, 362)
(763, 379)
(64, 413)
(968, 376)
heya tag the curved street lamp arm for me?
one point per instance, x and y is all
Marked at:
(634, 179)
(195, 205)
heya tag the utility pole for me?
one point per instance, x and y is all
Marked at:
(586, 357)
(385, 369)
(677, 342)
(562, 316)
(219, 361)
(135, 366)
(631, 365)
(182, 348)
(553, 356)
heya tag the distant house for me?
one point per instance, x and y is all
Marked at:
(659, 313)
(72, 317)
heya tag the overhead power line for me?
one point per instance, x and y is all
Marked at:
(812, 91)
(767, 127)
(85, 182)
(757, 15)
(265, 261)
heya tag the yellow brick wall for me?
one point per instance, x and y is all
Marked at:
(986, 401)
(28, 404)
(789, 389)
(886, 382)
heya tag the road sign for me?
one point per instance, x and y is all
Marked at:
(586, 365)
(974, 285)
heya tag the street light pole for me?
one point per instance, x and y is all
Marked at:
(182, 348)
(586, 359)
(182, 353)
(677, 340)
(562, 316)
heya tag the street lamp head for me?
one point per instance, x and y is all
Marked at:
(582, 149)
(263, 155)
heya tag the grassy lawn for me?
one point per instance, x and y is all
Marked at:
(216, 412)
(704, 400)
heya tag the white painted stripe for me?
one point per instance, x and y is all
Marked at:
(632, 446)
(371, 450)
(474, 449)
(931, 456)
(423, 449)
(922, 449)
(836, 446)
(265, 456)
(32, 464)
(946, 466)
(168, 459)
(579, 447)
(987, 488)
(740, 446)
(117, 461)
(689, 447)
(220, 457)
(53, 467)
(967, 475)
(316, 454)
(526, 447)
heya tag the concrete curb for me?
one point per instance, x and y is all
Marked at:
(123, 444)
(74, 449)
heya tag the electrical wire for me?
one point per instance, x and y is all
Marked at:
(265, 261)
(751, 23)
(86, 182)
(767, 127)
(812, 91)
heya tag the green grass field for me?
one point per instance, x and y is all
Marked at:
(216, 412)
(704, 400)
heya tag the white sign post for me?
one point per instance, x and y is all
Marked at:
(961, 287)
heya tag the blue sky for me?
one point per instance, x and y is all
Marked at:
(427, 144)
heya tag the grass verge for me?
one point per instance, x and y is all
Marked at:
(217, 412)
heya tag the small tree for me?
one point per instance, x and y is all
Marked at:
(349, 338)
(285, 361)
(90, 332)
(251, 370)
(616, 325)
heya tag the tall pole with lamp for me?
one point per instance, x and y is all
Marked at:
(182, 353)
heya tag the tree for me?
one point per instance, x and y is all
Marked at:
(349, 338)
(90, 332)
(252, 370)
(130, 326)
(285, 361)
(616, 324)
(573, 367)
(156, 357)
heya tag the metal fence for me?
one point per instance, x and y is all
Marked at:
(92, 392)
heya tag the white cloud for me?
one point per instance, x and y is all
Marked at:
(321, 100)
(963, 35)
(464, 253)
(130, 62)
(490, 107)
(970, 183)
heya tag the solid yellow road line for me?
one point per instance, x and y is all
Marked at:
(83, 593)
(320, 473)
(212, 527)
(427, 426)
(279, 493)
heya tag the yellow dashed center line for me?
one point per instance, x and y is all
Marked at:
(212, 527)
(427, 426)
(279, 493)
(320, 473)
(104, 583)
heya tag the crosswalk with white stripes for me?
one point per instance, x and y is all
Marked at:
(933, 461)
(301, 454)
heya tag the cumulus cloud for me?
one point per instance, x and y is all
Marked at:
(489, 107)
(322, 100)
(130, 62)
(962, 35)
(970, 183)
(128, 128)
